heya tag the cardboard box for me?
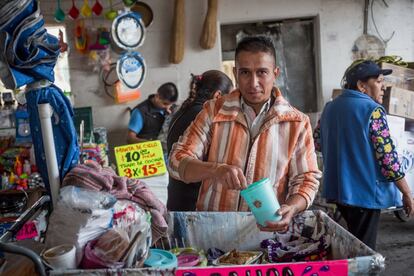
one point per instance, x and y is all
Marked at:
(400, 102)
(406, 156)
(396, 125)
(401, 77)
(404, 145)
(336, 92)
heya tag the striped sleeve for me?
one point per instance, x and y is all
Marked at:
(303, 166)
(193, 144)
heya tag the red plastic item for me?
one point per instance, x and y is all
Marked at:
(97, 8)
(18, 167)
(73, 12)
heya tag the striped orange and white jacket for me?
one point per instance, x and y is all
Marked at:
(283, 151)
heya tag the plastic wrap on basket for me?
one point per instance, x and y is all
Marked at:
(106, 251)
(129, 217)
(79, 217)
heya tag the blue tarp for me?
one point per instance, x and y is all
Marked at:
(64, 133)
(27, 56)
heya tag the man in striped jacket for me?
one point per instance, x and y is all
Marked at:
(247, 135)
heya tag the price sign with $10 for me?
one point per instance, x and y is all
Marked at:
(140, 160)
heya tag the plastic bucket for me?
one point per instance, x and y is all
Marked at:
(262, 201)
(61, 257)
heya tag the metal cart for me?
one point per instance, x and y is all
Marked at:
(7, 246)
(228, 230)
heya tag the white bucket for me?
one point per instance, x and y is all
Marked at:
(61, 257)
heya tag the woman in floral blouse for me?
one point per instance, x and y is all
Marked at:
(362, 174)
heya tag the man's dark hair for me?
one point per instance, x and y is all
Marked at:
(256, 44)
(168, 91)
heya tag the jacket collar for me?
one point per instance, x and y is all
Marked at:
(280, 111)
(355, 93)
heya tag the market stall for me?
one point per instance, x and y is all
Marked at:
(107, 221)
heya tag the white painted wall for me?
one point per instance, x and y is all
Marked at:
(340, 24)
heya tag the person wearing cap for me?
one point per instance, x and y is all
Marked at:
(361, 173)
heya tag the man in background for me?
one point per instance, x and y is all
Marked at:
(148, 117)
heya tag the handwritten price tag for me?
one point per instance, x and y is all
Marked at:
(140, 160)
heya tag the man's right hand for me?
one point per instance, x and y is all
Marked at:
(232, 177)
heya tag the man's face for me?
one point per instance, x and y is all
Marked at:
(255, 74)
(375, 88)
(162, 103)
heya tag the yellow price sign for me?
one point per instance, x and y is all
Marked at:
(140, 160)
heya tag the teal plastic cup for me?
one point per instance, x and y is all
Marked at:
(262, 201)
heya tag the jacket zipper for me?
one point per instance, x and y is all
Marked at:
(251, 142)
(249, 149)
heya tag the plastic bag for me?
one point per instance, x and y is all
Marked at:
(90, 259)
(86, 199)
(129, 217)
(79, 217)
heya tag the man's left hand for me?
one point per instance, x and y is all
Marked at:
(287, 212)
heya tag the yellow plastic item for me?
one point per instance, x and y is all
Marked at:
(124, 94)
(12, 179)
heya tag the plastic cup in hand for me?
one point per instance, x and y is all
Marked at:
(262, 201)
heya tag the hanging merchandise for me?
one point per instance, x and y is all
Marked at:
(124, 94)
(97, 46)
(209, 34)
(81, 36)
(128, 31)
(74, 11)
(111, 14)
(131, 69)
(59, 13)
(145, 11)
(86, 10)
(105, 36)
(97, 8)
(178, 33)
(129, 3)
(100, 60)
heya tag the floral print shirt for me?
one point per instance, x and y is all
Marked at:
(384, 147)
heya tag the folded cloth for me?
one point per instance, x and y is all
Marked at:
(93, 176)
(307, 239)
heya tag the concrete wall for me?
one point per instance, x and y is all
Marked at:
(339, 25)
